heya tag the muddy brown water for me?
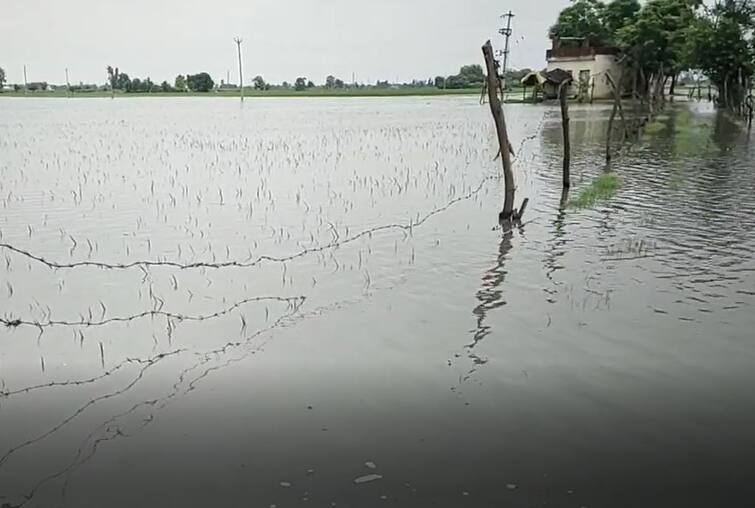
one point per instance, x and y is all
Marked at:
(370, 337)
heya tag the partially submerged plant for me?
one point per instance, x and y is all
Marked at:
(600, 189)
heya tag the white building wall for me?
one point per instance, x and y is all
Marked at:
(597, 66)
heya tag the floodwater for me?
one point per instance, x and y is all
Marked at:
(304, 302)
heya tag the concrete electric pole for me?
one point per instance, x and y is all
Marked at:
(506, 32)
(238, 42)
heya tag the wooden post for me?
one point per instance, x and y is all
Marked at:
(610, 131)
(493, 85)
(565, 129)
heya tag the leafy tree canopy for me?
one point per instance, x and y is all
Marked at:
(201, 82)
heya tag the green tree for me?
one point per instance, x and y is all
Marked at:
(180, 83)
(310, 84)
(440, 81)
(456, 81)
(618, 14)
(259, 83)
(720, 44)
(165, 87)
(468, 76)
(583, 20)
(300, 84)
(658, 37)
(112, 76)
(123, 82)
(473, 74)
(201, 82)
(2, 78)
(330, 82)
(339, 83)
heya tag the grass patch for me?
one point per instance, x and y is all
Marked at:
(600, 189)
(655, 127)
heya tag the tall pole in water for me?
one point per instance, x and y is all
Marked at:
(506, 32)
(68, 84)
(238, 41)
(26, 86)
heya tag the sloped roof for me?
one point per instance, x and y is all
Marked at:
(558, 76)
(533, 78)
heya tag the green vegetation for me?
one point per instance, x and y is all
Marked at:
(602, 188)
(201, 82)
(655, 127)
(179, 84)
(692, 136)
(468, 76)
(659, 39)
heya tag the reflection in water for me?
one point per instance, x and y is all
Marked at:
(558, 245)
(490, 296)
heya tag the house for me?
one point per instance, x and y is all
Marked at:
(588, 65)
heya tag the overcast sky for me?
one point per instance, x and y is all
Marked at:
(375, 39)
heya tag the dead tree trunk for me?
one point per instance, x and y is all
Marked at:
(565, 127)
(672, 88)
(699, 89)
(493, 85)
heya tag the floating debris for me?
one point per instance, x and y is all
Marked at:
(370, 465)
(368, 478)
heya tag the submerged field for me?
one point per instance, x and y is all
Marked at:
(310, 302)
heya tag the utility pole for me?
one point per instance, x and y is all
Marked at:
(25, 83)
(238, 42)
(68, 84)
(506, 32)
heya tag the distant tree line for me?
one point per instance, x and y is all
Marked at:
(469, 76)
(117, 80)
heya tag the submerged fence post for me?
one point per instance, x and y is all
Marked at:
(493, 85)
(608, 134)
(565, 128)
